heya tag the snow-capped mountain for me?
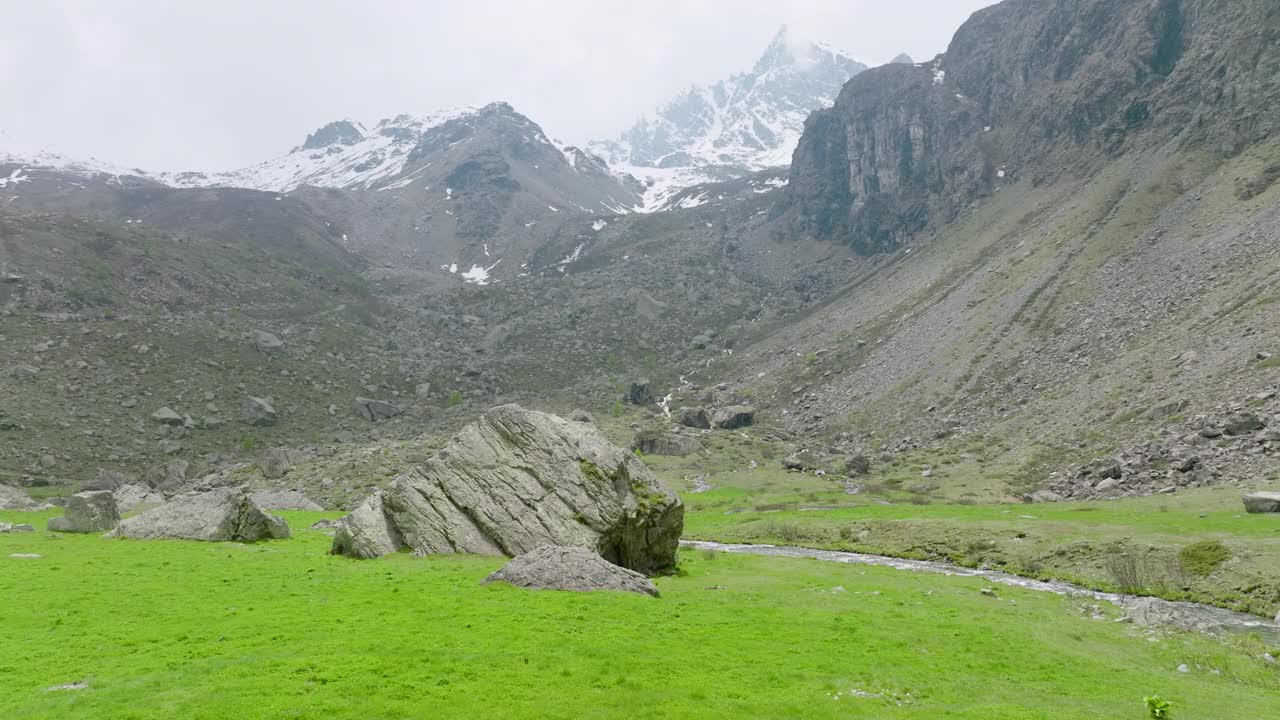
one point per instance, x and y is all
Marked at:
(746, 123)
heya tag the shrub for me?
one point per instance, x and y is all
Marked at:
(1158, 708)
(1203, 557)
(1125, 570)
(455, 398)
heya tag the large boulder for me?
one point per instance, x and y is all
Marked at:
(640, 393)
(516, 480)
(695, 417)
(135, 495)
(734, 416)
(220, 515)
(375, 410)
(259, 412)
(1243, 424)
(1262, 502)
(11, 498)
(570, 568)
(266, 342)
(276, 462)
(657, 442)
(107, 480)
(284, 500)
(166, 416)
(87, 512)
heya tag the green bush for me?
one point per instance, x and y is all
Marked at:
(455, 398)
(1203, 557)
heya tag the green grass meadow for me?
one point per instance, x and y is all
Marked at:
(173, 629)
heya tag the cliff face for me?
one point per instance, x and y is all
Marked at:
(1032, 88)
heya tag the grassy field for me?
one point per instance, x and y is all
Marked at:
(282, 630)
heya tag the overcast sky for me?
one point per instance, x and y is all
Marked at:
(219, 84)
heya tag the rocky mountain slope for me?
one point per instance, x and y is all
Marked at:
(747, 123)
(1067, 230)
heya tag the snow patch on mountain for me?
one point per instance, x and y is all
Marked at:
(343, 154)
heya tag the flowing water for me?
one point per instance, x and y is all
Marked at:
(1195, 615)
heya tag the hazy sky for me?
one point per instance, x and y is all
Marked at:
(219, 84)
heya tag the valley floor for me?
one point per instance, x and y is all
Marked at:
(283, 630)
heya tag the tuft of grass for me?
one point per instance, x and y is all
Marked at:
(1203, 557)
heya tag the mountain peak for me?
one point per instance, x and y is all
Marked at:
(745, 123)
(342, 132)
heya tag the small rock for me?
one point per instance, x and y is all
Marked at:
(166, 416)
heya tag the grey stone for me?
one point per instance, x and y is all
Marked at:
(657, 442)
(276, 462)
(1262, 502)
(107, 480)
(170, 476)
(570, 568)
(1243, 424)
(581, 416)
(259, 412)
(220, 515)
(857, 465)
(375, 410)
(734, 416)
(516, 480)
(166, 416)
(87, 512)
(284, 500)
(133, 496)
(265, 342)
(15, 528)
(640, 393)
(11, 498)
(695, 417)
(1043, 496)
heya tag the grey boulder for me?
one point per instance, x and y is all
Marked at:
(1262, 502)
(6, 528)
(284, 500)
(133, 496)
(734, 416)
(87, 512)
(11, 498)
(219, 515)
(516, 480)
(657, 442)
(166, 416)
(375, 410)
(695, 417)
(570, 568)
(259, 412)
(266, 342)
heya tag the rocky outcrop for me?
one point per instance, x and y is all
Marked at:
(658, 442)
(516, 480)
(1031, 88)
(220, 515)
(11, 498)
(570, 568)
(87, 512)
(284, 500)
(1262, 502)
